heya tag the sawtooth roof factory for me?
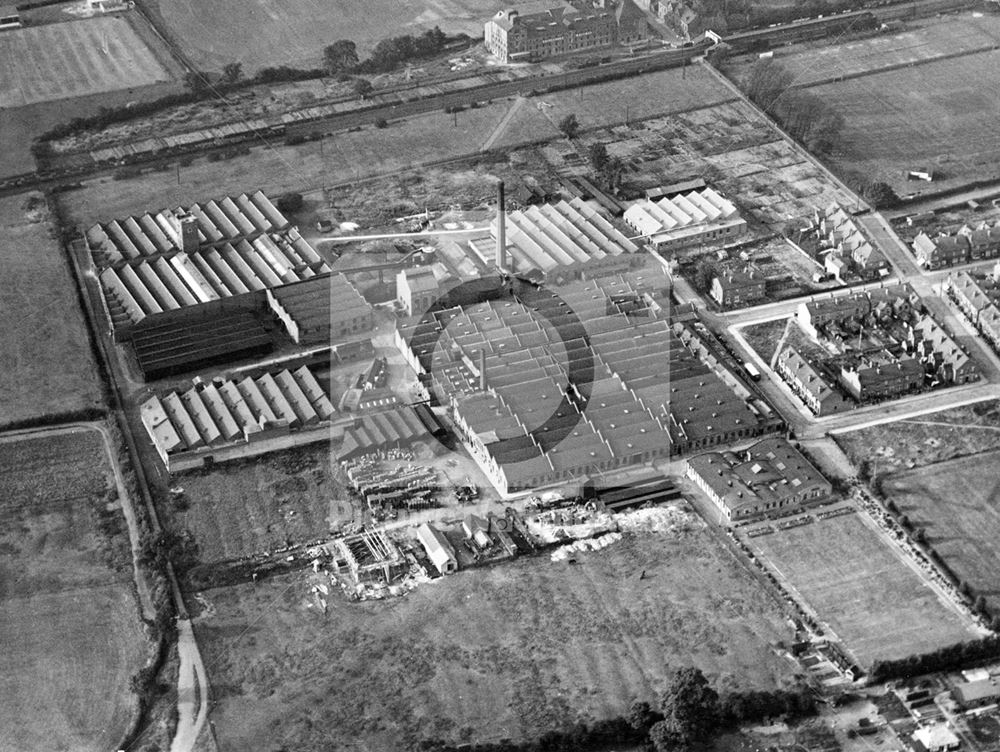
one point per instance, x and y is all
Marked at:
(546, 388)
(202, 286)
(232, 418)
(561, 242)
(686, 219)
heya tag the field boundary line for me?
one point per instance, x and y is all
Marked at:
(894, 67)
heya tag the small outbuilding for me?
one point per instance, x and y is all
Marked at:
(438, 548)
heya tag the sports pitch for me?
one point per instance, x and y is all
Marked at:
(940, 115)
(956, 503)
(858, 585)
(72, 59)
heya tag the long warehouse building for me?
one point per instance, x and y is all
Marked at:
(176, 258)
(209, 416)
(565, 241)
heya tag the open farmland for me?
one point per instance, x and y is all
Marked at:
(69, 625)
(48, 366)
(89, 56)
(240, 508)
(925, 439)
(869, 596)
(940, 115)
(956, 502)
(262, 33)
(815, 62)
(507, 651)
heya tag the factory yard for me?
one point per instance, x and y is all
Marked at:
(506, 651)
(69, 624)
(870, 597)
(48, 369)
(87, 56)
(926, 439)
(956, 503)
(247, 507)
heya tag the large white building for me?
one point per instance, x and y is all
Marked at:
(686, 219)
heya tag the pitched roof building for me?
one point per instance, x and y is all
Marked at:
(513, 37)
(682, 220)
(737, 287)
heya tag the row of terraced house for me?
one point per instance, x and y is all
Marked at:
(978, 294)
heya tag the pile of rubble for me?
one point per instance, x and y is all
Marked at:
(566, 553)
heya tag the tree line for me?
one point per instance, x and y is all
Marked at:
(804, 115)
(689, 713)
(948, 658)
(339, 59)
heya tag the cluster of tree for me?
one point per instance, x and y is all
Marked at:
(734, 15)
(609, 170)
(569, 126)
(340, 57)
(803, 115)
(690, 713)
(704, 273)
(948, 658)
(389, 54)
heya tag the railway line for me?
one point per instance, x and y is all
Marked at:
(319, 120)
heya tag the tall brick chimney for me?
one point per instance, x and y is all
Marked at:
(501, 254)
(482, 367)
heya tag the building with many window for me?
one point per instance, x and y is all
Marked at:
(771, 478)
(513, 37)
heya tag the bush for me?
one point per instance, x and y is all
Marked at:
(381, 123)
(290, 203)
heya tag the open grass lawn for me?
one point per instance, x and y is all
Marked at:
(62, 60)
(925, 40)
(48, 367)
(507, 651)
(958, 503)
(262, 33)
(858, 585)
(940, 115)
(638, 97)
(764, 337)
(235, 509)
(925, 439)
(69, 625)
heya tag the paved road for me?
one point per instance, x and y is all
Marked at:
(192, 690)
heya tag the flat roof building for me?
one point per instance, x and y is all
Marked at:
(770, 478)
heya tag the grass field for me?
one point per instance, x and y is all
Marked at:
(263, 33)
(939, 115)
(243, 508)
(932, 39)
(957, 503)
(857, 584)
(69, 625)
(63, 60)
(926, 439)
(639, 97)
(501, 652)
(48, 366)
